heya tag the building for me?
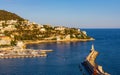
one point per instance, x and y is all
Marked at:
(67, 37)
(5, 40)
(9, 28)
(11, 21)
(1, 34)
(20, 45)
(61, 28)
(78, 30)
(42, 30)
(84, 32)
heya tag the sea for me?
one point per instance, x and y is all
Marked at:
(66, 57)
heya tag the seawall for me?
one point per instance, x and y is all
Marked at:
(91, 66)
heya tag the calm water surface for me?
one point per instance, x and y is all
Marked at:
(67, 56)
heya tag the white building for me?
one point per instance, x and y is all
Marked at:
(67, 37)
(42, 30)
(84, 32)
(11, 21)
(78, 30)
(4, 40)
(59, 28)
(9, 28)
(20, 44)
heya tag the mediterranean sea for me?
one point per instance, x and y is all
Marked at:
(67, 56)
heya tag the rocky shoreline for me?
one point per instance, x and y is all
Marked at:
(65, 40)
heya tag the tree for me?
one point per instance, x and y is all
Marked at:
(13, 42)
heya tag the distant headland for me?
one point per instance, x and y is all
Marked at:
(14, 28)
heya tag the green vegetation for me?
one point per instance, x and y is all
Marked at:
(5, 15)
(36, 34)
(23, 30)
(3, 46)
(13, 43)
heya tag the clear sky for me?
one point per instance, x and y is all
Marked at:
(71, 13)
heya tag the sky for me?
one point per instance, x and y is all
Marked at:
(70, 13)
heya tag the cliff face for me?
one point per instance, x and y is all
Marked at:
(5, 15)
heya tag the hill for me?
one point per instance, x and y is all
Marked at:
(5, 15)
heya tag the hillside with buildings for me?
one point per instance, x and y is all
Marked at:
(16, 29)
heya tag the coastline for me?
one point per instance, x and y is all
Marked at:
(65, 40)
(15, 52)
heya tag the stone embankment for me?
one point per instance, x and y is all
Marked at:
(91, 66)
(64, 40)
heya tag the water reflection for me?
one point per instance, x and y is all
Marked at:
(65, 59)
